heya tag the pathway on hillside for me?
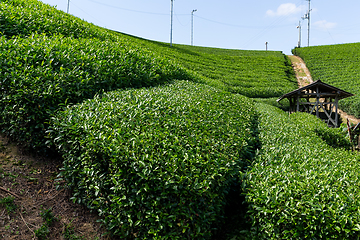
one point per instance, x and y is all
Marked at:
(304, 78)
(302, 72)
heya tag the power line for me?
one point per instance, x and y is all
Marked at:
(327, 30)
(234, 25)
(179, 21)
(89, 14)
(129, 10)
(273, 25)
(184, 14)
(270, 26)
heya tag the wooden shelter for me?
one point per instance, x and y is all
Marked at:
(317, 98)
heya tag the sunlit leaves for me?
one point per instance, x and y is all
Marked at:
(39, 74)
(300, 187)
(157, 161)
(256, 74)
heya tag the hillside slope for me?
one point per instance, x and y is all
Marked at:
(255, 74)
(337, 65)
(71, 60)
(154, 151)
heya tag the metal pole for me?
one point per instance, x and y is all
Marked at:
(299, 27)
(307, 16)
(266, 44)
(68, 6)
(171, 28)
(309, 25)
(192, 26)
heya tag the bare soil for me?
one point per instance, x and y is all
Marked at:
(304, 78)
(301, 71)
(29, 182)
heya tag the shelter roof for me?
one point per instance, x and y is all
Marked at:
(315, 89)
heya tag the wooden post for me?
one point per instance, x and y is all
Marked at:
(336, 109)
(298, 104)
(317, 101)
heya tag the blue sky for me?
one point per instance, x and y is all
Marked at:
(225, 24)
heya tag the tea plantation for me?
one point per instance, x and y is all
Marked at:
(161, 141)
(160, 160)
(337, 65)
(303, 184)
(255, 74)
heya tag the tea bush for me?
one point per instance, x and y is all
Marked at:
(26, 17)
(299, 187)
(157, 163)
(50, 58)
(337, 65)
(39, 74)
(255, 74)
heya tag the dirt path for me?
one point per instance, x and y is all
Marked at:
(304, 78)
(302, 72)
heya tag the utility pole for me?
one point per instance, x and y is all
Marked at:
(171, 28)
(299, 27)
(266, 45)
(68, 6)
(192, 26)
(307, 16)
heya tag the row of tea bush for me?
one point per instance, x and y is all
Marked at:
(40, 74)
(26, 17)
(304, 183)
(255, 74)
(157, 162)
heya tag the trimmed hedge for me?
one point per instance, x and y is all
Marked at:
(39, 74)
(157, 163)
(300, 187)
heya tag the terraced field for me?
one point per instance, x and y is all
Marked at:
(255, 74)
(160, 142)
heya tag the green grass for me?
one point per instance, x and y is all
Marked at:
(8, 203)
(337, 65)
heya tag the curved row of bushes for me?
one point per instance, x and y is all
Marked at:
(158, 162)
(26, 17)
(255, 74)
(39, 74)
(299, 187)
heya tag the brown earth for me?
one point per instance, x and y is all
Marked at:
(304, 78)
(301, 71)
(29, 186)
